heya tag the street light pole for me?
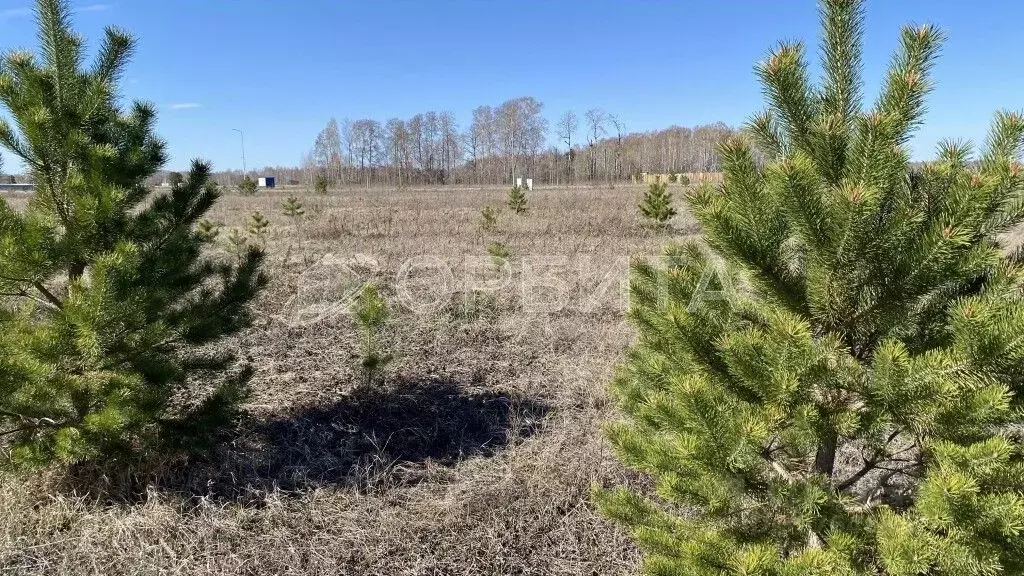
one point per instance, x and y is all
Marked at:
(244, 171)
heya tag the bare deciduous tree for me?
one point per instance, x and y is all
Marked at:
(500, 143)
(327, 151)
(595, 131)
(567, 126)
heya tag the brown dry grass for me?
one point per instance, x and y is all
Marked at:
(476, 456)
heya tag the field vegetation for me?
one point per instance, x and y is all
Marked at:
(801, 358)
(473, 452)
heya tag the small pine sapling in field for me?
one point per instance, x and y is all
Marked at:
(321, 183)
(490, 218)
(684, 179)
(499, 254)
(247, 187)
(292, 208)
(371, 312)
(831, 381)
(517, 200)
(673, 178)
(237, 243)
(111, 304)
(208, 230)
(257, 227)
(657, 204)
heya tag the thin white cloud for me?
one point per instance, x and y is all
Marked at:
(25, 11)
(12, 13)
(186, 105)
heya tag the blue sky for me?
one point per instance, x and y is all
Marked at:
(279, 69)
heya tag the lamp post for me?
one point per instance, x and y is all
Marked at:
(244, 171)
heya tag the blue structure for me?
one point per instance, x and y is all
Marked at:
(267, 182)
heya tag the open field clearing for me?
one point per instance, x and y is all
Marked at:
(477, 453)
(460, 332)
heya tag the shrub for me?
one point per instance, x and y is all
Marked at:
(656, 205)
(247, 186)
(831, 383)
(371, 312)
(673, 178)
(683, 179)
(109, 305)
(175, 179)
(517, 200)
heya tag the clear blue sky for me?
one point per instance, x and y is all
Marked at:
(279, 69)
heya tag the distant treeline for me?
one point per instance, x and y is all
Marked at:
(511, 140)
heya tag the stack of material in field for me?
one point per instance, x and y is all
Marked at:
(691, 177)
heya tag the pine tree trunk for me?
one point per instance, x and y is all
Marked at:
(825, 459)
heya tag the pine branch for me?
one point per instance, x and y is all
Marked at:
(48, 295)
(843, 23)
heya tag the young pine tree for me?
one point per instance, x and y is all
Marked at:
(257, 227)
(247, 187)
(292, 208)
(833, 383)
(657, 204)
(517, 201)
(499, 254)
(237, 244)
(107, 304)
(490, 218)
(207, 230)
(371, 312)
(321, 183)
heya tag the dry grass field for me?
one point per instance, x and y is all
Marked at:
(477, 453)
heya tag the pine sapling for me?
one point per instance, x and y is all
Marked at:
(371, 312)
(237, 243)
(831, 381)
(208, 230)
(517, 201)
(499, 254)
(656, 205)
(490, 218)
(321, 183)
(257, 227)
(247, 187)
(112, 307)
(293, 209)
